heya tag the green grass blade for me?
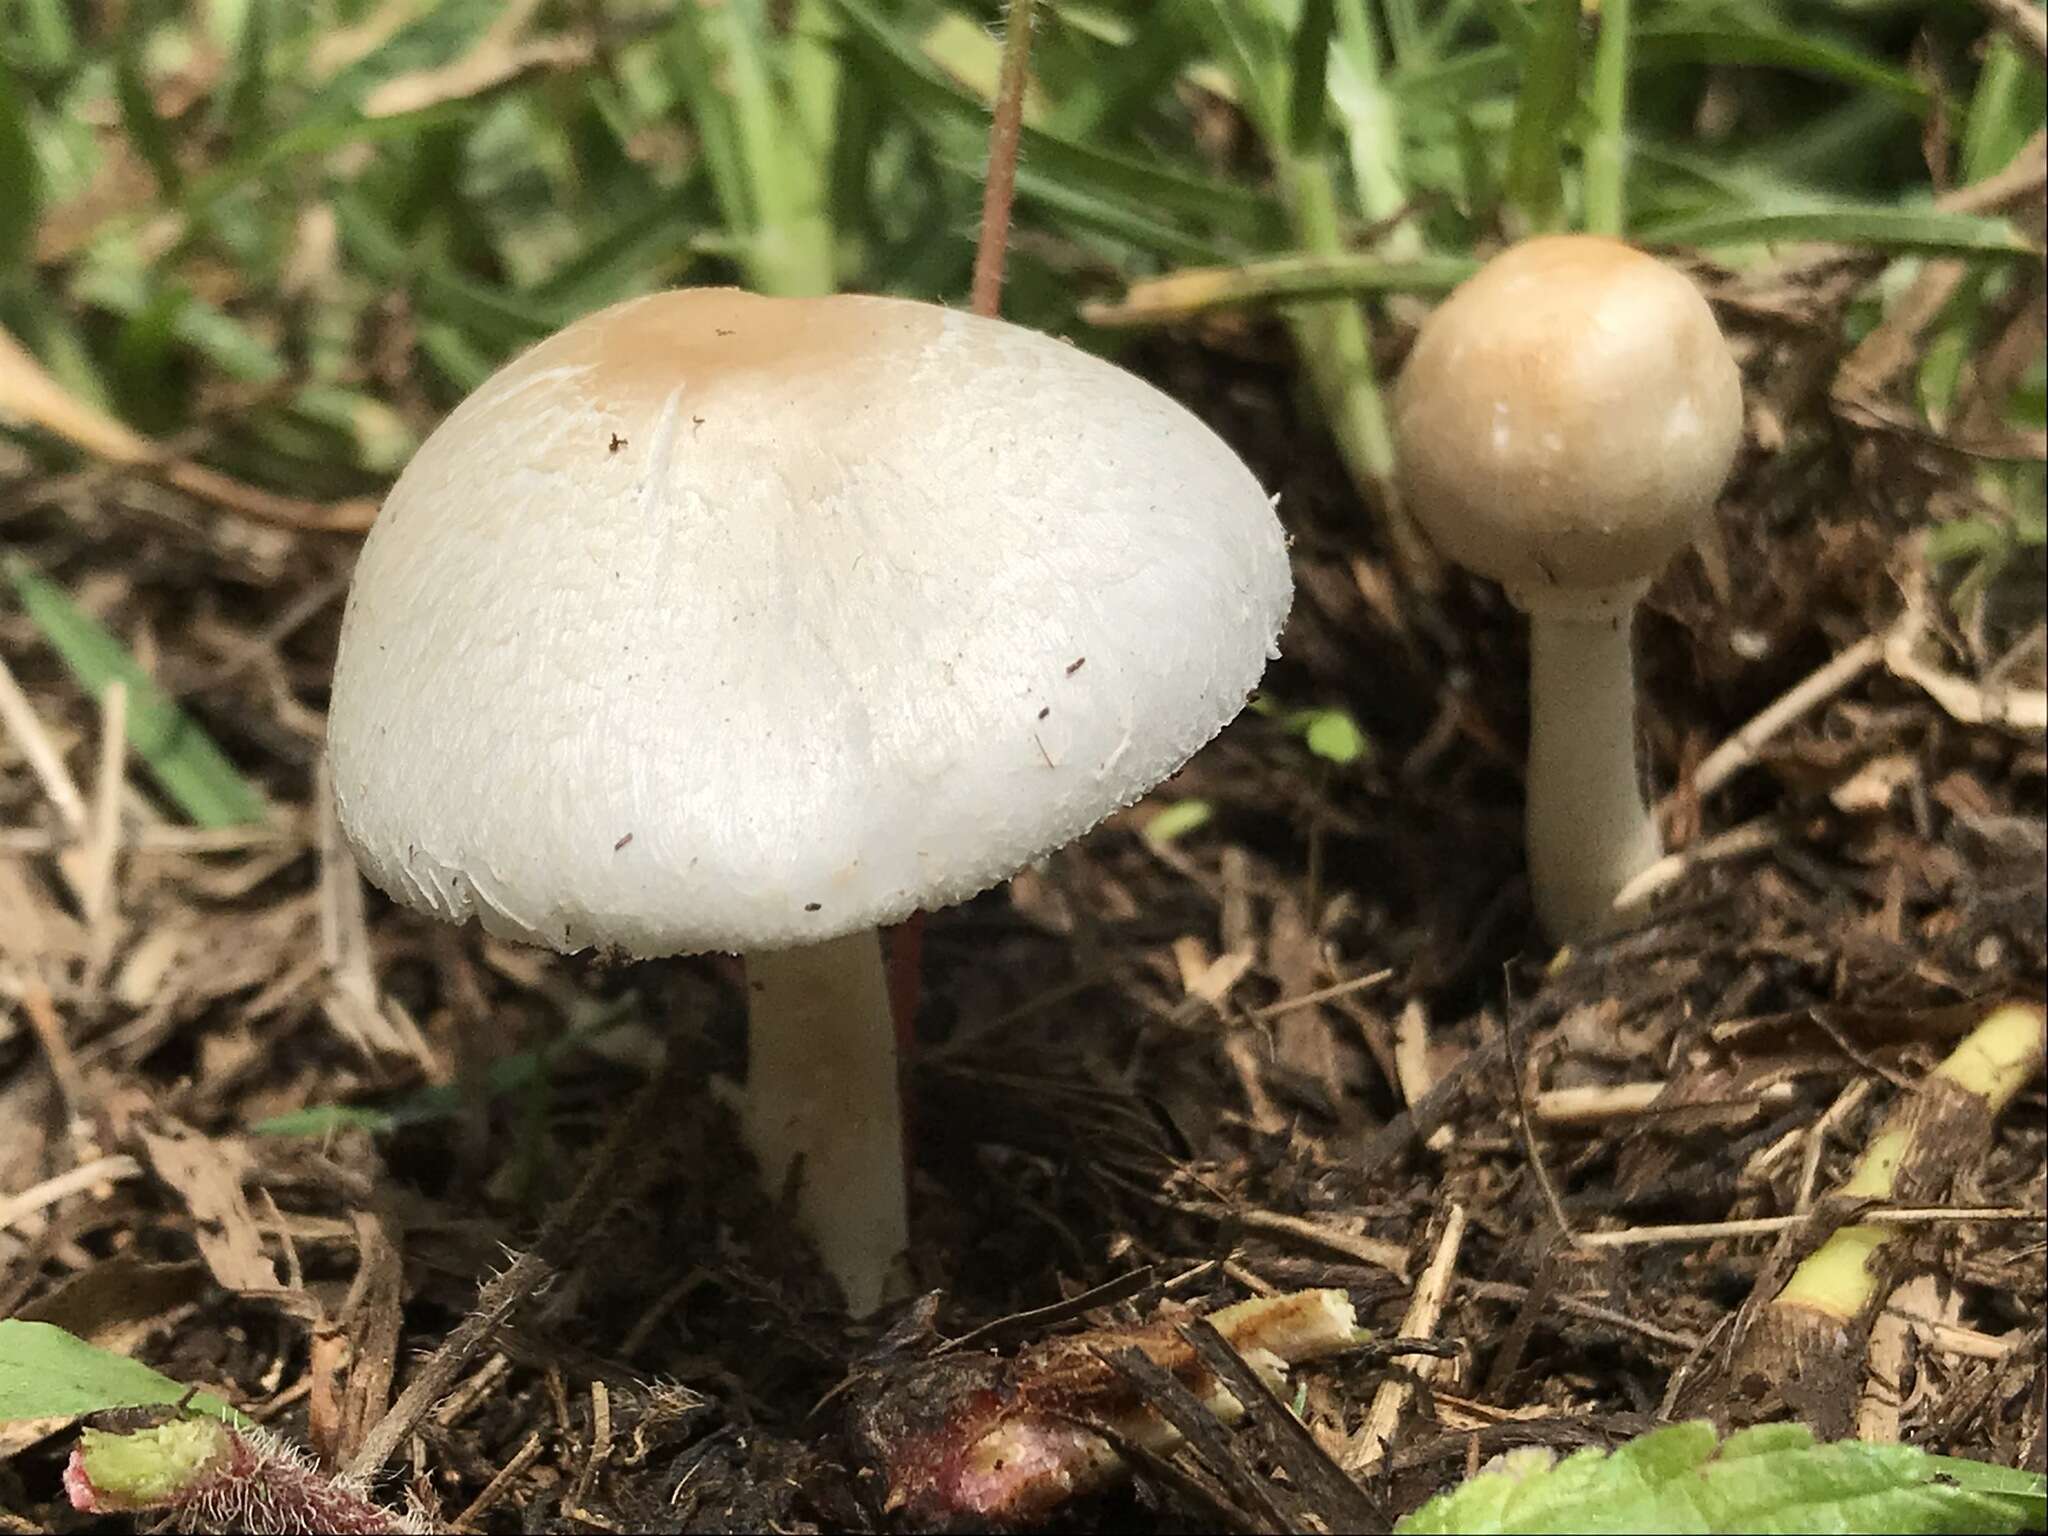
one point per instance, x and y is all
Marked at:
(2007, 106)
(21, 178)
(248, 91)
(1534, 183)
(1816, 57)
(1143, 187)
(1883, 229)
(1606, 170)
(686, 53)
(791, 252)
(1178, 296)
(180, 756)
(146, 131)
(1308, 90)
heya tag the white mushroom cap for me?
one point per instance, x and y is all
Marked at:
(719, 622)
(1565, 418)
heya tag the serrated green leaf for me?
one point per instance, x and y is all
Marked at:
(181, 757)
(46, 1373)
(1773, 1478)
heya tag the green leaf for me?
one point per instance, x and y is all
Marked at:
(1333, 735)
(1769, 1479)
(46, 1373)
(1176, 822)
(180, 756)
(1550, 90)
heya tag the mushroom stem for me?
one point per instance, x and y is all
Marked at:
(822, 1086)
(1589, 832)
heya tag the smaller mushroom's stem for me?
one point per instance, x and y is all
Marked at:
(822, 1086)
(1589, 832)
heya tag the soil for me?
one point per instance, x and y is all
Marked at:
(1123, 1071)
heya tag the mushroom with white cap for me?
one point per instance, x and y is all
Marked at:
(1565, 419)
(721, 622)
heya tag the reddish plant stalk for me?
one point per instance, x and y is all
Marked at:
(1000, 186)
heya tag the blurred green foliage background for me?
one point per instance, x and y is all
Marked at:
(303, 228)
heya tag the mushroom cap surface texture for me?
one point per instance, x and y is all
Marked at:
(721, 622)
(1566, 417)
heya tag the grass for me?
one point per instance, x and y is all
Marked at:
(499, 171)
(224, 203)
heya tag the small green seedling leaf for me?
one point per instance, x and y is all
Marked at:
(180, 756)
(1333, 735)
(1177, 821)
(1773, 1478)
(46, 1373)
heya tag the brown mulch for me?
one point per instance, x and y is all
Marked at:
(1120, 1073)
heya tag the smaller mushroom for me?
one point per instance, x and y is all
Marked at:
(1565, 420)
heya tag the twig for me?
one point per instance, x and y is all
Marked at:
(1425, 1308)
(1588, 1311)
(1037, 1319)
(1005, 133)
(1525, 1130)
(111, 1169)
(18, 718)
(103, 850)
(1375, 1251)
(1594, 1106)
(29, 391)
(1891, 1343)
(1846, 1104)
(1321, 995)
(1766, 1226)
(616, 1168)
(1197, 1425)
(49, 1032)
(494, 1490)
(1820, 685)
(1736, 842)
(1332, 1495)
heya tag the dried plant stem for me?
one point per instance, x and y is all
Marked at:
(1799, 1346)
(28, 391)
(1425, 1308)
(616, 1169)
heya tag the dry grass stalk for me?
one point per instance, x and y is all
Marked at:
(1368, 1447)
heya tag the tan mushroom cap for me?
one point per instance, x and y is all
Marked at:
(1565, 419)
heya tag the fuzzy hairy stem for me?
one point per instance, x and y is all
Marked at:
(210, 1476)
